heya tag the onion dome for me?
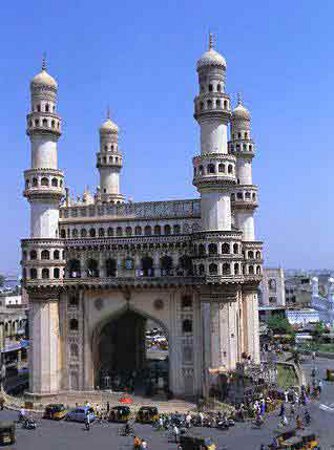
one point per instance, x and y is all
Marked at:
(211, 57)
(44, 79)
(240, 112)
(109, 126)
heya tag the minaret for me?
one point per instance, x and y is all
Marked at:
(43, 254)
(43, 181)
(214, 169)
(244, 199)
(109, 163)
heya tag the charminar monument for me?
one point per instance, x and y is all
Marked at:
(99, 268)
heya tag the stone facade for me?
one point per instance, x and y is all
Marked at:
(192, 266)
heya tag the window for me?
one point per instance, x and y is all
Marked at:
(148, 230)
(167, 230)
(45, 123)
(157, 229)
(201, 250)
(92, 268)
(83, 232)
(212, 249)
(128, 231)
(54, 182)
(101, 232)
(258, 270)
(33, 274)
(147, 266)
(201, 106)
(201, 269)
(176, 229)
(235, 249)
(110, 231)
(236, 269)
(211, 168)
(56, 273)
(230, 168)
(45, 254)
(258, 255)
(138, 231)
(213, 269)
(47, 107)
(44, 181)
(225, 248)
(218, 104)
(226, 269)
(63, 234)
(225, 104)
(210, 88)
(74, 325)
(209, 103)
(45, 274)
(186, 265)
(251, 255)
(187, 326)
(33, 254)
(221, 167)
(24, 255)
(111, 268)
(219, 88)
(272, 300)
(251, 270)
(166, 265)
(186, 301)
(92, 233)
(74, 268)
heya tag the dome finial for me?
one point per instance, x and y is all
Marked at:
(239, 98)
(108, 112)
(212, 39)
(44, 61)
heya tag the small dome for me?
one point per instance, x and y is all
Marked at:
(240, 112)
(110, 126)
(44, 79)
(211, 58)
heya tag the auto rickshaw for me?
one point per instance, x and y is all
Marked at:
(283, 435)
(196, 443)
(55, 411)
(120, 414)
(147, 414)
(7, 433)
(293, 443)
(310, 440)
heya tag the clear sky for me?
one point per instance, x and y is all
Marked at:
(139, 57)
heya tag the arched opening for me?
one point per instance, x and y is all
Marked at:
(45, 254)
(45, 274)
(138, 231)
(92, 232)
(157, 230)
(92, 268)
(131, 353)
(225, 248)
(186, 265)
(212, 249)
(111, 267)
(148, 230)
(166, 265)
(56, 254)
(147, 266)
(74, 268)
(44, 181)
(167, 230)
(33, 254)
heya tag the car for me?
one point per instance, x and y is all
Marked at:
(79, 413)
(55, 411)
(119, 414)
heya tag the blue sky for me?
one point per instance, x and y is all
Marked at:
(139, 57)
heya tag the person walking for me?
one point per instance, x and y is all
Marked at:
(176, 433)
(143, 444)
(87, 421)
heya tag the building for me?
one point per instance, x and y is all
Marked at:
(271, 293)
(324, 304)
(298, 291)
(97, 269)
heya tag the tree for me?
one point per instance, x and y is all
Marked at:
(318, 331)
(279, 325)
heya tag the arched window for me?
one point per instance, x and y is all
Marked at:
(45, 123)
(250, 148)
(167, 230)
(92, 268)
(53, 123)
(110, 231)
(92, 232)
(47, 107)
(83, 232)
(245, 135)
(186, 265)
(211, 168)
(148, 230)
(166, 265)
(248, 195)
(213, 269)
(44, 181)
(101, 232)
(230, 168)
(225, 104)
(147, 266)
(219, 88)
(36, 121)
(201, 250)
(56, 273)
(212, 249)
(221, 167)
(33, 254)
(225, 248)
(258, 270)
(63, 234)
(239, 135)
(258, 255)
(54, 182)
(45, 254)
(201, 269)
(74, 268)
(157, 230)
(187, 326)
(128, 231)
(34, 182)
(235, 249)
(176, 229)
(236, 269)
(251, 254)
(218, 103)
(38, 108)
(45, 274)
(138, 231)
(74, 325)
(226, 269)
(33, 274)
(209, 103)
(251, 270)
(111, 267)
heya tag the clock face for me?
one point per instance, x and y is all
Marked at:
(129, 264)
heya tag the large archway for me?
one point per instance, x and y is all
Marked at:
(131, 354)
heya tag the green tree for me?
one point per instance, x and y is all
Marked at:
(318, 331)
(279, 325)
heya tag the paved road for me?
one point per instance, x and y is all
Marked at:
(71, 436)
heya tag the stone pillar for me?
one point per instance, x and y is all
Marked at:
(251, 324)
(44, 352)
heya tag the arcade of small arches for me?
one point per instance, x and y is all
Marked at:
(211, 169)
(43, 181)
(226, 269)
(147, 230)
(241, 195)
(44, 123)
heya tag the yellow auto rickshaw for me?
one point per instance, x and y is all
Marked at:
(7, 433)
(310, 440)
(196, 443)
(147, 414)
(55, 411)
(120, 414)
